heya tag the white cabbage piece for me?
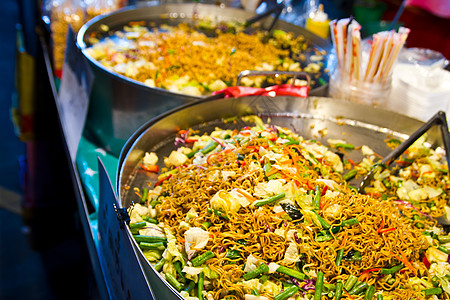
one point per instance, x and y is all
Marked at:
(273, 267)
(224, 202)
(150, 158)
(195, 238)
(366, 150)
(191, 214)
(270, 188)
(226, 174)
(441, 270)
(242, 196)
(291, 255)
(175, 159)
(436, 255)
(151, 229)
(186, 296)
(253, 297)
(251, 263)
(138, 212)
(252, 284)
(192, 271)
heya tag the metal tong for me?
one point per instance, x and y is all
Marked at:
(438, 119)
(278, 9)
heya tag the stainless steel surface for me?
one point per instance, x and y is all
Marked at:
(119, 105)
(356, 123)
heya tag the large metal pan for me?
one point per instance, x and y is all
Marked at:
(119, 105)
(356, 123)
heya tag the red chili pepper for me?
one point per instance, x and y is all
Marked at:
(325, 188)
(403, 163)
(154, 169)
(425, 261)
(386, 230)
(162, 180)
(381, 226)
(370, 270)
(190, 140)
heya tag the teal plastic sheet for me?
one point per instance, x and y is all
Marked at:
(87, 165)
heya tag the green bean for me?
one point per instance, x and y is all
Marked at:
(339, 256)
(286, 293)
(351, 280)
(358, 288)
(380, 297)
(159, 265)
(392, 270)
(349, 175)
(369, 293)
(339, 290)
(152, 246)
(206, 225)
(138, 225)
(291, 272)
(319, 286)
(322, 221)
(200, 286)
(201, 259)
(264, 278)
(220, 214)
(210, 146)
(144, 195)
(268, 200)
(433, 291)
(149, 239)
(262, 268)
(316, 199)
(173, 281)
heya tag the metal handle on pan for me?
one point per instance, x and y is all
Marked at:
(248, 73)
(438, 119)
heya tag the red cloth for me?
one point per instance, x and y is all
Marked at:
(440, 8)
(276, 90)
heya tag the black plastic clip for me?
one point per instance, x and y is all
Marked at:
(122, 216)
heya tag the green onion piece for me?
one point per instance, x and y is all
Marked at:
(233, 254)
(137, 225)
(206, 225)
(286, 293)
(221, 214)
(291, 272)
(173, 281)
(380, 297)
(358, 288)
(339, 256)
(369, 293)
(152, 246)
(149, 239)
(190, 286)
(339, 290)
(178, 268)
(201, 259)
(433, 291)
(262, 268)
(144, 195)
(324, 238)
(268, 200)
(349, 175)
(159, 265)
(322, 221)
(443, 249)
(349, 222)
(351, 280)
(201, 277)
(392, 270)
(150, 220)
(316, 199)
(192, 153)
(210, 146)
(319, 286)
(345, 146)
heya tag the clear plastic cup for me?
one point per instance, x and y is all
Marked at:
(359, 91)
